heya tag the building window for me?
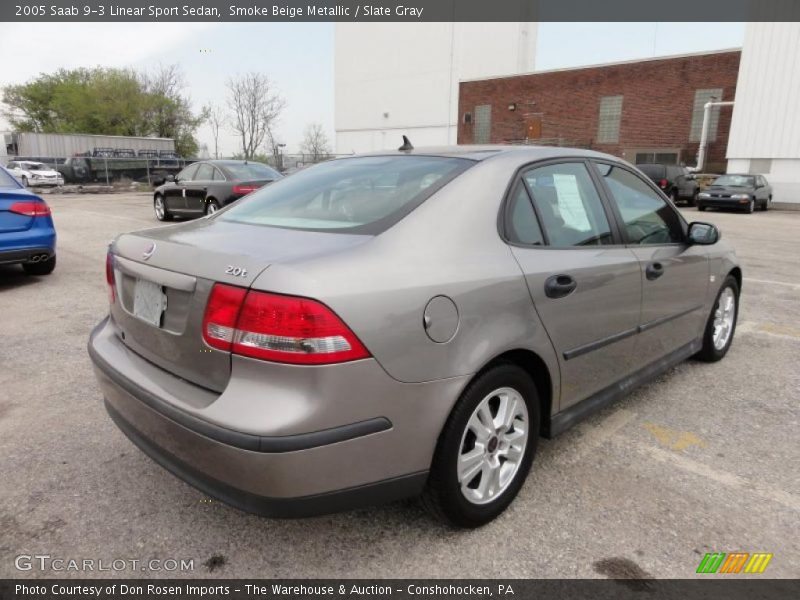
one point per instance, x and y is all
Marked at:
(700, 99)
(483, 123)
(664, 157)
(608, 122)
(760, 166)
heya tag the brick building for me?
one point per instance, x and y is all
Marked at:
(644, 111)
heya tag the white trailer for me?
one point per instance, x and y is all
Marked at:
(63, 145)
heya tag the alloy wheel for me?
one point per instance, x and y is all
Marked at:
(493, 445)
(724, 316)
(159, 207)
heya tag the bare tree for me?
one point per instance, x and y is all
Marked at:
(256, 106)
(315, 142)
(274, 148)
(216, 120)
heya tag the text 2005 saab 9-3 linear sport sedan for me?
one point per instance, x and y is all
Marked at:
(403, 323)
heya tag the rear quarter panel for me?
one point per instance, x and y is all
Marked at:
(448, 246)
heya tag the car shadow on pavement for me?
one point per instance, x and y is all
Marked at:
(12, 276)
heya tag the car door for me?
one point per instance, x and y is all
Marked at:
(197, 188)
(585, 285)
(175, 194)
(762, 190)
(674, 274)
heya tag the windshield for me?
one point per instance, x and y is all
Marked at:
(735, 181)
(7, 181)
(248, 171)
(353, 195)
(33, 166)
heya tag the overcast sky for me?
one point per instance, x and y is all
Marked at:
(299, 56)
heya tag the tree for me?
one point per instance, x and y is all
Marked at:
(216, 120)
(315, 142)
(168, 110)
(106, 101)
(256, 106)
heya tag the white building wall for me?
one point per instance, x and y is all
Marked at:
(393, 79)
(766, 115)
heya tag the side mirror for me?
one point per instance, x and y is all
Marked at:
(170, 178)
(703, 234)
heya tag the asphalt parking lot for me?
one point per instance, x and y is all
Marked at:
(704, 459)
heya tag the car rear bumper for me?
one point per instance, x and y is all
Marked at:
(27, 255)
(283, 474)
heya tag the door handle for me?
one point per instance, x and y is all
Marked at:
(654, 271)
(558, 286)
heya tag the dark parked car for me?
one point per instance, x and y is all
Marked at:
(675, 181)
(743, 192)
(203, 188)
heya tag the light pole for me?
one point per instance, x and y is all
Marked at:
(280, 156)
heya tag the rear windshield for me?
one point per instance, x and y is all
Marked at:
(351, 195)
(7, 181)
(652, 171)
(735, 181)
(249, 171)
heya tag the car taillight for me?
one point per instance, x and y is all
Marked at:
(244, 189)
(110, 277)
(222, 310)
(278, 328)
(30, 209)
(663, 183)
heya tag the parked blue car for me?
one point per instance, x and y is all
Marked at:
(27, 233)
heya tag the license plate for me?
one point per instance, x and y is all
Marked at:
(149, 302)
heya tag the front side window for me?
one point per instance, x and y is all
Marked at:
(647, 218)
(353, 195)
(570, 208)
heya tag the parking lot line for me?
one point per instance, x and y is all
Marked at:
(772, 282)
(715, 474)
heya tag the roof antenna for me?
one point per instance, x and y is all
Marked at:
(406, 145)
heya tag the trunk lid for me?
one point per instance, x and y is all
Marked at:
(179, 266)
(10, 222)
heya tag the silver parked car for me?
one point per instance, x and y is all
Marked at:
(403, 323)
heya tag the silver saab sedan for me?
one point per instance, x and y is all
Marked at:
(405, 323)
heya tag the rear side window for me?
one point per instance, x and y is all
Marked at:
(648, 219)
(205, 172)
(570, 208)
(352, 195)
(522, 226)
(7, 181)
(652, 171)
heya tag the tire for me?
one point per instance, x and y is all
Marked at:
(714, 350)
(41, 268)
(443, 495)
(701, 208)
(765, 206)
(212, 206)
(160, 208)
(751, 207)
(692, 201)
